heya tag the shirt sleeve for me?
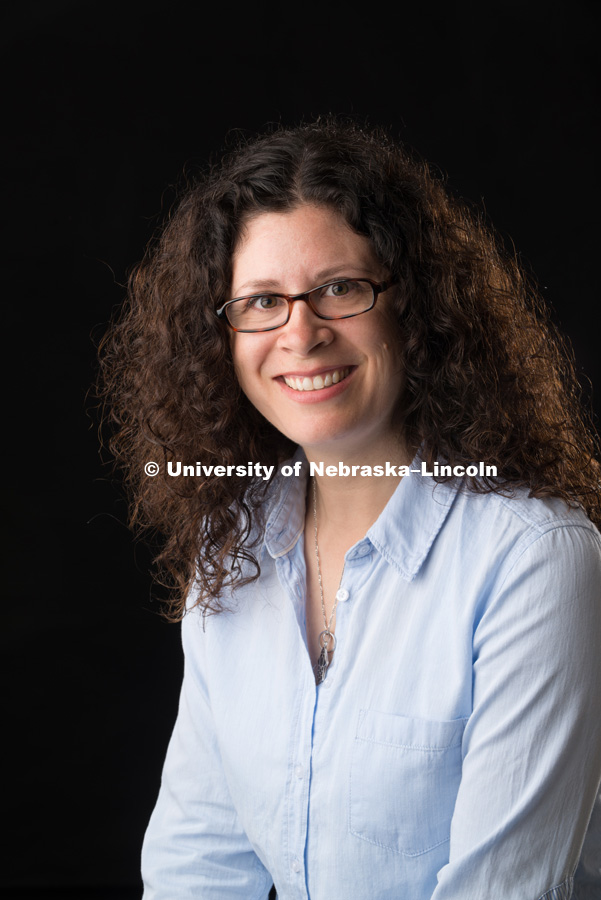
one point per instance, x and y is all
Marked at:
(532, 746)
(195, 845)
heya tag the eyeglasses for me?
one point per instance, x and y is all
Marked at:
(335, 300)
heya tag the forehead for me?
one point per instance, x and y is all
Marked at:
(310, 242)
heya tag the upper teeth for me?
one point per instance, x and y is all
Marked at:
(298, 383)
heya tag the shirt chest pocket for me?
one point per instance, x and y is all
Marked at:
(405, 774)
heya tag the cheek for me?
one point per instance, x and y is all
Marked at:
(241, 370)
(392, 344)
(247, 357)
(387, 346)
(240, 356)
(390, 365)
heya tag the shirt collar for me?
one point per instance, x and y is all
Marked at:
(286, 517)
(408, 525)
(403, 534)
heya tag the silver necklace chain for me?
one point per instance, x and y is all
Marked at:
(326, 637)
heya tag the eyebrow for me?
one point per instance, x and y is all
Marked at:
(321, 277)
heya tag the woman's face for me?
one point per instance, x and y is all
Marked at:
(292, 252)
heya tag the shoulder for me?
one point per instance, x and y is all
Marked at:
(270, 530)
(511, 549)
(527, 553)
(518, 521)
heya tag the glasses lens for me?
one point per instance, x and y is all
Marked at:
(257, 313)
(343, 298)
(261, 312)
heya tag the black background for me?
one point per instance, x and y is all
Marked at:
(105, 105)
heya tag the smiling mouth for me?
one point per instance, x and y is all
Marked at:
(318, 382)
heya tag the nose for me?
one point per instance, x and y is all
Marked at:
(304, 331)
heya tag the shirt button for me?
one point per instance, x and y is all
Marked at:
(299, 771)
(342, 594)
(296, 866)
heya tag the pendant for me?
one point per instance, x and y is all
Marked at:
(320, 668)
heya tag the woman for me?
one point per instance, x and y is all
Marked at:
(392, 677)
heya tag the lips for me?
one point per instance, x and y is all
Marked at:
(316, 382)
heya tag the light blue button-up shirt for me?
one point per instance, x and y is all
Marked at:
(453, 751)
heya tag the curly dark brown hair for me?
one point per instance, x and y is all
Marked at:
(487, 377)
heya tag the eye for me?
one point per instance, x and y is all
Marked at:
(341, 289)
(265, 302)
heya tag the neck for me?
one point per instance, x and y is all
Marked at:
(350, 504)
